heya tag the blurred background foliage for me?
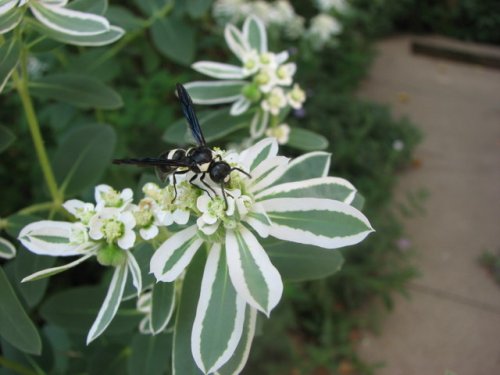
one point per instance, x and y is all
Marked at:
(317, 326)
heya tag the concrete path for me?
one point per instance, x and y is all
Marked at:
(452, 321)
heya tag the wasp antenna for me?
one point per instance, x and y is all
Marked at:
(242, 171)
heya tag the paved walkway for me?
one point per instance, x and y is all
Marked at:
(452, 321)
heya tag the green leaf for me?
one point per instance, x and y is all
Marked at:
(121, 16)
(80, 90)
(75, 309)
(162, 306)
(358, 201)
(6, 138)
(306, 140)
(26, 264)
(310, 165)
(150, 354)
(215, 124)
(16, 326)
(60, 346)
(215, 92)
(90, 6)
(197, 8)
(297, 262)
(154, 7)
(174, 39)
(17, 222)
(9, 56)
(182, 361)
(220, 315)
(83, 156)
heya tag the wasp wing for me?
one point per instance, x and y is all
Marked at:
(153, 162)
(188, 110)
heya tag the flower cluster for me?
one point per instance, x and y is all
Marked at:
(291, 201)
(263, 81)
(56, 19)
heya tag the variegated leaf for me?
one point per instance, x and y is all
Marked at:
(173, 256)
(252, 273)
(267, 173)
(9, 57)
(220, 315)
(219, 70)
(311, 165)
(111, 303)
(254, 32)
(55, 270)
(215, 92)
(10, 20)
(135, 271)
(256, 154)
(7, 250)
(69, 21)
(321, 222)
(162, 306)
(259, 123)
(236, 41)
(240, 106)
(238, 360)
(323, 187)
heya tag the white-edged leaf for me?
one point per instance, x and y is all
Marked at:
(253, 275)
(236, 41)
(262, 150)
(240, 106)
(238, 360)
(69, 21)
(320, 222)
(311, 165)
(111, 303)
(323, 187)
(48, 237)
(112, 35)
(10, 20)
(259, 220)
(162, 306)
(259, 123)
(220, 314)
(214, 92)
(135, 271)
(7, 250)
(219, 70)
(55, 270)
(9, 56)
(6, 5)
(254, 32)
(173, 256)
(267, 172)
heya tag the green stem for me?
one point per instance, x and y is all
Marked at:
(21, 84)
(15, 367)
(45, 206)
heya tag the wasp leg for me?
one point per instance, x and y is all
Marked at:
(242, 171)
(175, 183)
(191, 181)
(202, 179)
(224, 195)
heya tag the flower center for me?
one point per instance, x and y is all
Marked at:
(112, 198)
(112, 230)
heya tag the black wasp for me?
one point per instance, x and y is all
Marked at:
(201, 160)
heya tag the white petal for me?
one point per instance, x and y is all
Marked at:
(202, 202)
(100, 190)
(180, 216)
(95, 226)
(127, 240)
(282, 57)
(128, 219)
(127, 194)
(207, 228)
(73, 205)
(149, 233)
(209, 218)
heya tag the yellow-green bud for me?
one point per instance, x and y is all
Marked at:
(252, 93)
(111, 256)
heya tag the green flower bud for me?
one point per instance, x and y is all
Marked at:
(111, 255)
(252, 93)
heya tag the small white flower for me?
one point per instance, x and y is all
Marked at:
(294, 28)
(284, 74)
(323, 28)
(251, 62)
(146, 218)
(106, 196)
(281, 13)
(327, 5)
(296, 97)
(81, 210)
(280, 132)
(275, 101)
(113, 226)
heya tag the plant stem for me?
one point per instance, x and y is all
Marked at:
(21, 84)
